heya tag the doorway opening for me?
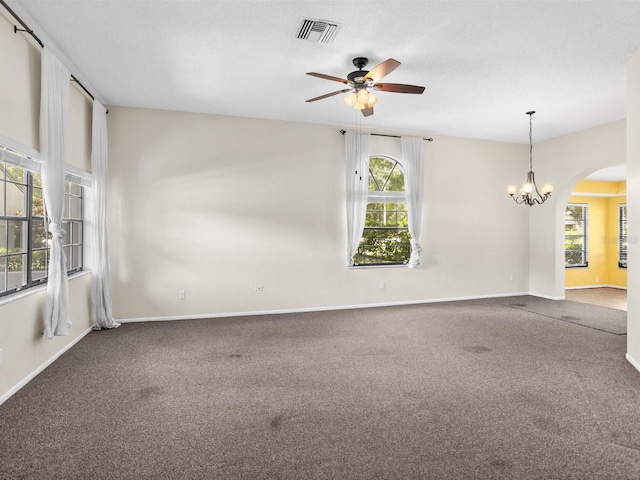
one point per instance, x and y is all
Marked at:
(595, 239)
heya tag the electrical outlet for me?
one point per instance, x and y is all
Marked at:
(182, 294)
(597, 279)
(511, 277)
(259, 288)
(382, 286)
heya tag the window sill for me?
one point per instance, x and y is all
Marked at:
(359, 267)
(39, 288)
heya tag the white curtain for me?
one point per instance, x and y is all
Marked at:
(357, 184)
(413, 161)
(102, 309)
(54, 106)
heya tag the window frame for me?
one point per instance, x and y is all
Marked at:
(396, 197)
(584, 236)
(622, 239)
(30, 220)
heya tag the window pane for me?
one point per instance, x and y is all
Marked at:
(3, 237)
(66, 226)
(16, 199)
(385, 174)
(37, 209)
(373, 218)
(17, 271)
(403, 218)
(575, 240)
(65, 209)
(384, 245)
(75, 189)
(76, 232)
(67, 254)
(2, 213)
(396, 181)
(622, 248)
(3, 274)
(16, 174)
(37, 180)
(574, 257)
(379, 170)
(17, 236)
(76, 257)
(75, 207)
(39, 235)
(39, 264)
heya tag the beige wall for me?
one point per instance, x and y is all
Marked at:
(22, 326)
(21, 316)
(218, 205)
(564, 161)
(19, 85)
(633, 208)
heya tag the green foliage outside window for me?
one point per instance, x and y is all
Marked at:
(386, 238)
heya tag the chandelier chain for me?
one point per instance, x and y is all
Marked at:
(530, 141)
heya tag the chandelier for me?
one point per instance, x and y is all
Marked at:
(529, 193)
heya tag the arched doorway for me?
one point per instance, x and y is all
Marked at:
(594, 240)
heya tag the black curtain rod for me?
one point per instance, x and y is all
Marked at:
(391, 136)
(35, 37)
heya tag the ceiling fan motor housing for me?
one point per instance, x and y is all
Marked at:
(358, 75)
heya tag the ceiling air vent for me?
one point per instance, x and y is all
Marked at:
(322, 31)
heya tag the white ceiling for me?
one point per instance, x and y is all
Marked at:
(484, 63)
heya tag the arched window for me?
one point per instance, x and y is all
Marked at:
(386, 239)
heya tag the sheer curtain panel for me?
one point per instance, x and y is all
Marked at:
(413, 160)
(54, 106)
(357, 185)
(102, 309)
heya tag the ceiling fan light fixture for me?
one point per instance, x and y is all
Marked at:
(363, 96)
(350, 99)
(371, 100)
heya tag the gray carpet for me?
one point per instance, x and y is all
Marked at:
(468, 390)
(593, 316)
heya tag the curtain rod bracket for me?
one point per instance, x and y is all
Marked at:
(16, 30)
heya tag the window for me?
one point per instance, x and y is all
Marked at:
(575, 236)
(24, 237)
(386, 239)
(622, 235)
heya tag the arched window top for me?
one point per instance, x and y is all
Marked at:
(385, 174)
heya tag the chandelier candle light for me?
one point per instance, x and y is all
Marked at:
(529, 193)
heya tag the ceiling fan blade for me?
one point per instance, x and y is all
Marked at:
(328, 77)
(367, 112)
(328, 95)
(382, 70)
(398, 88)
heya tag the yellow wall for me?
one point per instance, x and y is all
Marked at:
(602, 235)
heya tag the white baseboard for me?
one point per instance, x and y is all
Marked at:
(48, 362)
(596, 286)
(632, 361)
(310, 309)
(548, 297)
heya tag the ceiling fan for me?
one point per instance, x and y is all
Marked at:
(362, 83)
